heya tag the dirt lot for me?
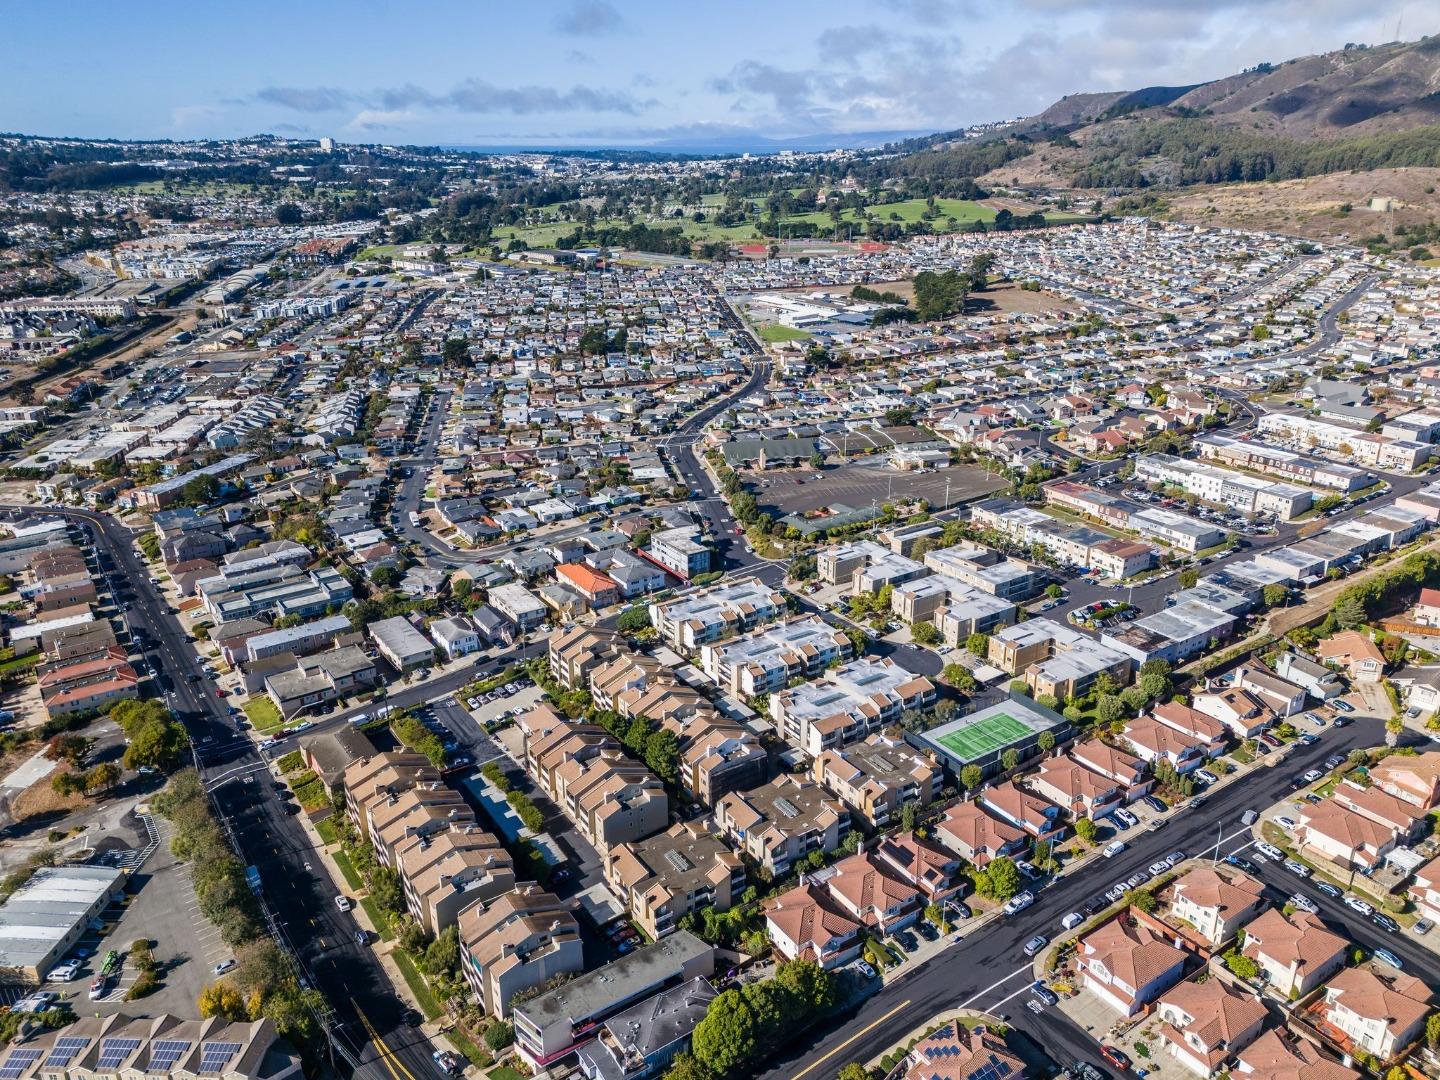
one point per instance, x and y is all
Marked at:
(1310, 207)
(1002, 297)
(858, 484)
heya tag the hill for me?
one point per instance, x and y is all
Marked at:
(1357, 108)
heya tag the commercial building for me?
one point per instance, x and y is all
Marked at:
(557, 1022)
(44, 918)
(642, 1040)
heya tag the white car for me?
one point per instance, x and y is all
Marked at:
(1019, 903)
(1297, 868)
(1304, 903)
(1286, 823)
(1205, 776)
(1270, 851)
(1115, 847)
(1356, 904)
(865, 969)
(64, 972)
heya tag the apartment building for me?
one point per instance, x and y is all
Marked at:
(987, 571)
(374, 781)
(877, 777)
(956, 609)
(446, 871)
(152, 1046)
(419, 811)
(1224, 487)
(405, 647)
(641, 1041)
(691, 621)
(719, 756)
(673, 873)
(866, 567)
(849, 702)
(518, 604)
(1055, 659)
(519, 940)
(577, 650)
(783, 821)
(770, 658)
(1260, 457)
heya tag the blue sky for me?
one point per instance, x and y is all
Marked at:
(627, 72)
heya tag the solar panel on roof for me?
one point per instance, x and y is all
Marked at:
(17, 1062)
(165, 1053)
(114, 1051)
(786, 807)
(65, 1050)
(215, 1055)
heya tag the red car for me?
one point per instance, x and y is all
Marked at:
(1115, 1057)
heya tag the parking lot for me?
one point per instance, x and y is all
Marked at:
(857, 484)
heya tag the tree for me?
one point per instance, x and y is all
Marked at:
(1189, 578)
(662, 755)
(1109, 708)
(499, 1036)
(1350, 611)
(385, 576)
(971, 777)
(726, 1038)
(1009, 759)
(157, 742)
(925, 633)
(1432, 1029)
(1046, 742)
(287, 213)
(221, 999)
(978, 644)
(687, 1067)
(102, 778)
(455, 350)
(66, 784)
(1086, 829)
(199, 490)
(1003, 877)
(634, 619)
(856, 1071)
(1054, 592)
(1143, 899)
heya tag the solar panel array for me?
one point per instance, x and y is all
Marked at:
(17, 1062)
(113, 1052)
(214, 1056)
(65, 1050)
(165, 1053)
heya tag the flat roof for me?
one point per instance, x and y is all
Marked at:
(616, 983)
(984, 734)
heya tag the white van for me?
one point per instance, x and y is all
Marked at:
(1072, 920)
(1115, 847)
(343, 903)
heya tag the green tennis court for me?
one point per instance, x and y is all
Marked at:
(984, 737)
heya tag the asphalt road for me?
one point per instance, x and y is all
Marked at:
(987, 969)
(368, 1016)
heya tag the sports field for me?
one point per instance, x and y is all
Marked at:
(984, 737)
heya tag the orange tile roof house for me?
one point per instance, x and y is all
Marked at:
(871, 893)
(1080, 791)
(1346, 838)
(972, 833)
(804, 924)
(1391, 811)
(599, 589)
(1352, 651)
(932, 869)
(1414, 778)
(1207, 730)
(1129, 966)
(1425, 889)
(1152, 741)
(1378, 1009)
(1114, 764)
(1239, 710)
(1297, 951)
(1274, 1057)
(1041, 819)
(1216, 903)
(956, 1052)
(1205, 1023)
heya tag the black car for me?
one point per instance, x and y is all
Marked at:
(1240, 864)
(1385, 923)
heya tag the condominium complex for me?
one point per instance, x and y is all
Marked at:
(848, 703)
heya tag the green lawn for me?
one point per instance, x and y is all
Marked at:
(472, 1053)
(347, 868)
(424, 996)
(263, 714)
(775, 333)
(504, 1072)
(327, 830)
(378, 918)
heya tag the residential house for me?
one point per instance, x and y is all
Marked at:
(1128, 964)
(1353, 653)
(977, 836)
(1216, 902)
(1297, 951)
(1043, 820)
(804, 923)
(1377, 1009)
(1205, 1023)
(957, 1052)
(1113, 764)
(1413, 778)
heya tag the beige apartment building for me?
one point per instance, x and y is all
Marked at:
(673, 873)
(519, 940)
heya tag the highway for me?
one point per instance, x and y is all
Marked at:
(988, 967)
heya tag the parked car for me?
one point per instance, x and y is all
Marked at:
(1240, 863)
(1019, 903)
(449, 1061)
(1287, 823)
(1115, 847)
(865, 969)
(1385, 922)
(1356, 904)
(1297, 868)
(1115, 1057)
(1126, 818)
(1205, 776)
(1135, 880)
(1329, 890)
(1385, 956)
(1270, 851)
(1155, 804)
(1304, 903)
(223, 966)
(1312, 775)
(1342, 706)
(1045, 994)
(1174, 859)
(1035, 944)
(64, 972)
(1158, 868)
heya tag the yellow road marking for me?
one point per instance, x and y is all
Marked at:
(821, 1060)
(391, 1061)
